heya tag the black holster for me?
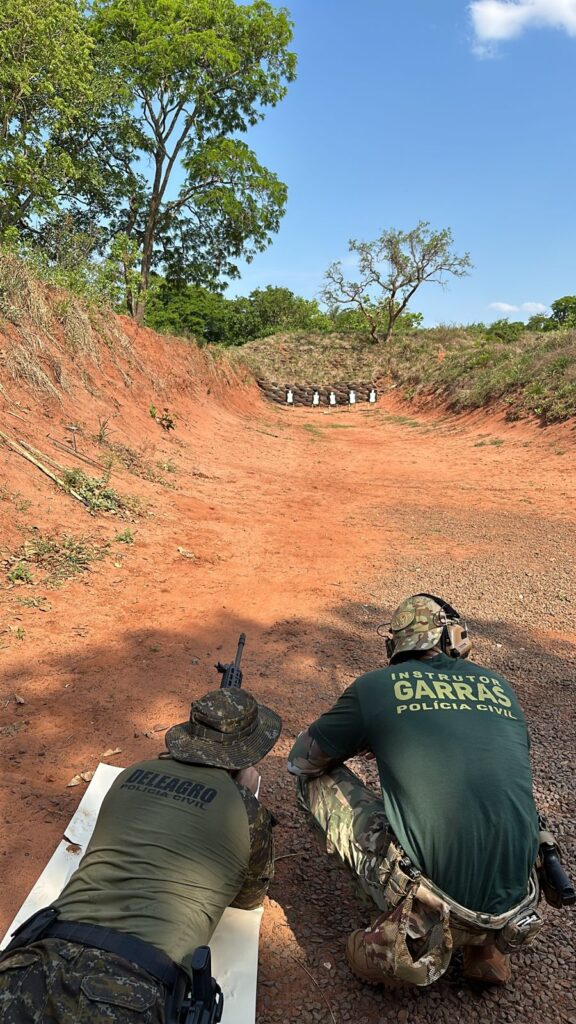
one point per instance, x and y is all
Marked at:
(199, 1001)
(555, 884)
(33, 928)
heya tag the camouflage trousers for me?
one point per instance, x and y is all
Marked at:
(419, 926)
(57, 982)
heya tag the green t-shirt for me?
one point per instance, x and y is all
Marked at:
(171, 849)
(452, 750)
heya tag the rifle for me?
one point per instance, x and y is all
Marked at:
(232, 673)
(556, 885)
(203, 1002)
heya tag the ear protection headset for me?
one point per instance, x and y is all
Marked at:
(454, 641)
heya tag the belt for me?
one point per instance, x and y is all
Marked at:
(139, 952)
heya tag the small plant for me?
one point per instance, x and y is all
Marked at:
(59, 558)
(20, 574)
(19, 633)
(102, 435)
(96, 494)
(166, 420)
(33, 602)
(126, 537)
(496, 442)
(167, 466)
(20, 504)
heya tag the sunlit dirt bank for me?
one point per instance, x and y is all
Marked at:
(302, 528)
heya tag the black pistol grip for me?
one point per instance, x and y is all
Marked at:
(558, 888)
(202, 975)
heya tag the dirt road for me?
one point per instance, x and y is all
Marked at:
(303, 529)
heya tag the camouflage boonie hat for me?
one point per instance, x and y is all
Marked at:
(227, 729)
(417, 624)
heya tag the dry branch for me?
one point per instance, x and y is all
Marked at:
(20, 450)
(311, 976)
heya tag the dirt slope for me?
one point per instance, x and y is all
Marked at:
(302, 528)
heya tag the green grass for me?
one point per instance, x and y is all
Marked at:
(403, 421)
(313, 430)
(33, 602)
(126, 537)
(55, 558)
(20, 573)
(97, 495)
(136, 463)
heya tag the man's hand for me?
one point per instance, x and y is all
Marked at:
(248, 777)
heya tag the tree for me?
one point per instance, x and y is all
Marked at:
(506, 330)
(194, 311)
(200, 72)
(564, 311)
(391, 269)
(352, 321)
(46, 82)
(273, 309)
(191, 311)
(563, 315)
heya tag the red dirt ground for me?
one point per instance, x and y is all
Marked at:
(306, 528)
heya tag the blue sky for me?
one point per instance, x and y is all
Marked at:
(454, 112)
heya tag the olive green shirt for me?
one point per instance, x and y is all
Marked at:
(452, 750)
(173, 846)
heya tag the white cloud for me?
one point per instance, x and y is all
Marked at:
(533, 307)
(504, 307)
(523, 307)
(498, 20)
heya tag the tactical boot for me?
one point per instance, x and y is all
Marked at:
(366, 965)
(486, 965)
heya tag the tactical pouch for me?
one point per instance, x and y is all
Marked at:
(412, 940)
(519, 931)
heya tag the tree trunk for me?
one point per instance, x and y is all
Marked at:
(145, 266)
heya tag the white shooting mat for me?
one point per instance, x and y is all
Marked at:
(234, 945)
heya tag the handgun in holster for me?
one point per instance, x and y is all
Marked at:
(557, 888)
(202, 1002)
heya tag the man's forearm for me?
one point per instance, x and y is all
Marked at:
(307, 758)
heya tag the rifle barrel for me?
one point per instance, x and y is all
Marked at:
(241, 643)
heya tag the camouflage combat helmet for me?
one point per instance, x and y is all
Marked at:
(417, 625)
(227, 729)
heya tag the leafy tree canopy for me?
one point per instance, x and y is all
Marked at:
(390, 271)
(200, 72)
(197, 312)
(564, 311)
(103, 101)
(46, 84)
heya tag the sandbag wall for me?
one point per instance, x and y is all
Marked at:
(303, 394)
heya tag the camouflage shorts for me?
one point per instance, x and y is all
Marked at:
(66, 983)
